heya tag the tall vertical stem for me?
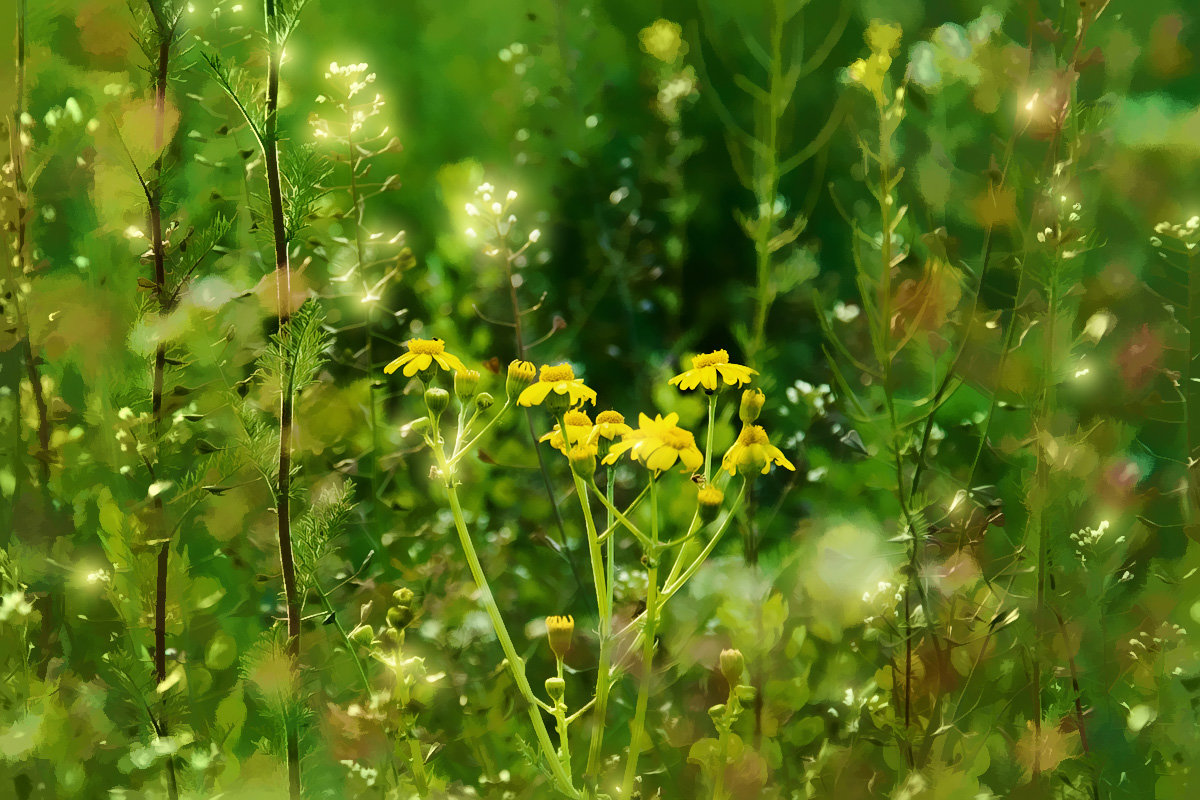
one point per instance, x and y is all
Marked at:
(767, 178)
(20, 261)
(638, 729)
(283, 294)
(165, 34)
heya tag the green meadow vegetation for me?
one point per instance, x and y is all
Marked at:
(600, 400)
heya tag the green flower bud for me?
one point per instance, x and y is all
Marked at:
(710, 499)
(466, 384)
(733, 664)
(484, 401)
(556, 687)
(399, 617)
(583, 460)
(437, 400)
(520, 375)
(752, 403)
(403, 596)
(363, 635)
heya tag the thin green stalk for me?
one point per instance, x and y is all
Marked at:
(708, 448)
(416, 760)
(516, 664)
(346, 640)
(560, 718)
(605, 601)
(638, 730)
(767, 178)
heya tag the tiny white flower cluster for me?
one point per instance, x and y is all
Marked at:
(497, 224)
(886, 597)
(1088, 540)
(368, 774)
(1186, 233)
(14, 605)
(99, 576)
(818, 397)
(1146, 647)
(347, 81)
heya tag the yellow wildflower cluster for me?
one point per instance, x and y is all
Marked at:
(884, 40)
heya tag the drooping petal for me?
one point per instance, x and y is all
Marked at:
(397, 362)
(533, 394)
(418, 363)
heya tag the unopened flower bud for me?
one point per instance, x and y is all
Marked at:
(733, 664)
(466, 384)
(710, 499)
(418, 425)
(484, 401)
(520, 375)
(559, 631)
(437, 399)
(399, 617)
(583, 460)
(752, 403)
(403, 596)
(556, 687)
(363, 635)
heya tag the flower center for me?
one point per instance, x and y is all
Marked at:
(609, 418)
(561, 372)
(577, 419)
(426, 347)
(710, 359)
(753, 434)
(677, 439)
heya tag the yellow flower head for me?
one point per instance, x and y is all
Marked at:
(663, 40)
(423, 354)
(560, 381)
(579, 426)
(710, 370)
(658, 443)
(753, 452)
(560, 630)
(609, 425)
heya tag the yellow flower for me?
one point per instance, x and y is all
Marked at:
(423, 354)
(559, 631)
(579, 426)
(709, 370)
(659, 443)
(609, 425)
(560, 381)
(753, 452)
(663, 40)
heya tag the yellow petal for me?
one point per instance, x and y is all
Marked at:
(397, 363)
(534, 394)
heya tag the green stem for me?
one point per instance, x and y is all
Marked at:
(560, 717)
(349, 644)
(515, 664)
(415, 758)
(638, 730)
(712, 410)
(603, 679)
